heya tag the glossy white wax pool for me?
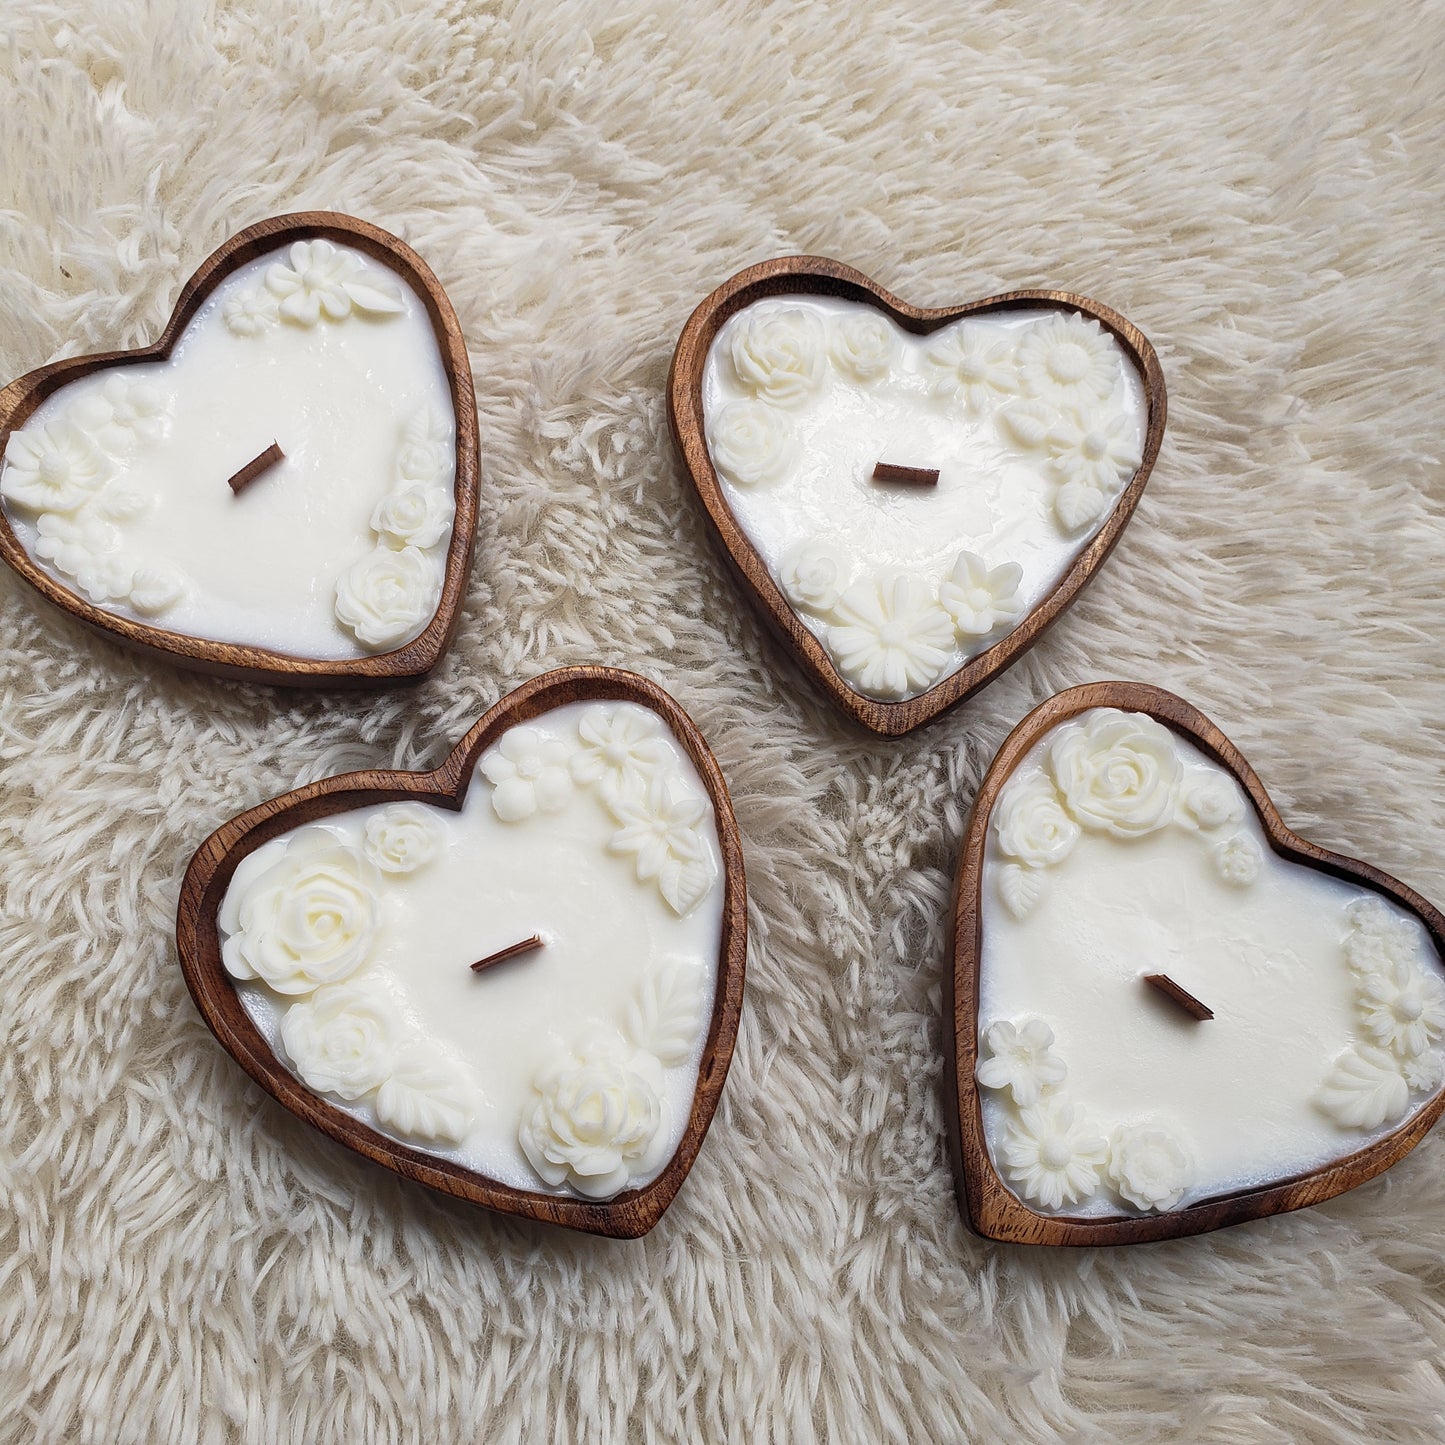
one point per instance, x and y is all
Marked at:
(118, 484)
(569, 1068)
(1116, 850)
(1034, 420)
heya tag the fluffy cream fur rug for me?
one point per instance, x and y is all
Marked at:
(1258, 185)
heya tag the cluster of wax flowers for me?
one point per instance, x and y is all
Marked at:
(388, 595)
(1400, 1001)
(1118, 774)
(1052, 1152)
(322, 282)
(301, 916)
(63, 471)
(1051, 391)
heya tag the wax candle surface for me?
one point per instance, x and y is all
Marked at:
(571, 1067)
(118, 486)
(1033, 419)
(1116, 850)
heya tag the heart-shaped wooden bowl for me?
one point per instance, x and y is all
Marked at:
(408, 663)
(820, 277)
(629, 1214)
(988, 1205)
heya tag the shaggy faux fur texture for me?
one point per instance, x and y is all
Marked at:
(1258, 185)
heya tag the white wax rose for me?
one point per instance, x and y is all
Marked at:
(863, 346)
(1237, 860)
(1149, 1167)
(1208, 801)
(387, 597)
(418, 514)
(299, 913)
(778, 353)
(751, 443)
(813, 574)
(1030, 823)
(342, 1039)
(1117, 772)
(597, 1121)
(401, 837)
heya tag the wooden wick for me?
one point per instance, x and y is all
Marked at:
(910, 476)
(253, 469)
(1182, 997)
(510, 951)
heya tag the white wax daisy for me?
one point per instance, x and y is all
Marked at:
(1100, 454)
(969, 368)
(892, 637)
(1021, 1060)
(1403, 1008)
(1068, 360)
(620, 748)
(51, 468)
(1052, 1155)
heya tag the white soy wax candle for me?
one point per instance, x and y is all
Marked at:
(1033, 421)
(284, 480)
(583, 874)
(1128, 892)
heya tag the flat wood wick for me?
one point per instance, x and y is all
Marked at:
(909, 476)
(253, 469)
(1182, 997)
(510, 951)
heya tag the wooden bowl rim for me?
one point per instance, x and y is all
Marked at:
(631, 1213)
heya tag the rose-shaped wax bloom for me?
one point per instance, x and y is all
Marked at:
(751, 443)
(387, 596)
(415, 515)
(813, 575)
(778, 353)
(299, 913)
(1118, 772)
(342, 1039)
(863, 346)
(1031, 825)
(1209, 801)
(401, 837)
(1148, 1167)
(597, 1124)
(1237, 860)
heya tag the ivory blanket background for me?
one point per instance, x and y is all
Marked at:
(1261, 190)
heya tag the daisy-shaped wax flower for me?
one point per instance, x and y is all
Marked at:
(1052, 1154)
(893, 638)
(620, 747)
(1403, 1007)
(528, 773)
(979, 598)
(661, 828)
(1100, 454)
(1069, 361)
(139, 411)
(1021, 1060)
(969, 368)
(250, 312)
(325, 280)
(53, 467)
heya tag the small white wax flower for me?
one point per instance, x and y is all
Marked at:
(751, 443)
(1021, 1060)
(813, 574)
(1053, 1154)
(139, 410)
(1364, 1088)
(322, 280)
(779, 353)
(1208, 801)
(1377, 938)
(1069, 361)
(1424, 1072)
(250, 312)
(980, 599)
(401, 837)
(416, 514)
(1099, 454)
(121, 503)
(1149, 1167)
(52, 467)
(863, 345)
(73, 543)
(1237, 860)
(1403, 1007)
(299, 913)
(892, 637)
(1030, 823)
(661, 828)
(388, 596)
(1117, 772)
(528, 773)
(971, 369)
(342, 1040)
(620, 748)
(596, 1124)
